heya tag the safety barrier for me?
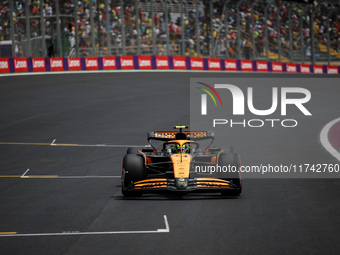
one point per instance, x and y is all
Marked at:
(18, 65)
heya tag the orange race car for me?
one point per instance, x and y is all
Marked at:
(181, 165)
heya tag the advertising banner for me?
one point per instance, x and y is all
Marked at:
(126, 62)
(38, 64)
(162, 62)
(74, 64)
(56, 64)
(247, 65)
(291, 68)
(277, 67)
(179, 63)
(91, 63)
(196, 63)
(20, 65)
(144, 62)
(214, 64)
(4, 65)
(230, 64)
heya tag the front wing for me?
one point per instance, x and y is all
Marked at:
(197, 184)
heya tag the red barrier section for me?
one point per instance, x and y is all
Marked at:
(126, 62)
(144, 62)
(74, 64)
(304, 68)
(214, 64)
(196, 63)
(247, 65)
(162, 62)
(38, 65)
(4, 65)
(277, 67)
(20, 65)
(56, 64)
(332, 70)
(262, 66)
(230, 64)
(179, 63)
(91, 63)
(109, 63)
(17, 65)
(318, 69)
(291, 68)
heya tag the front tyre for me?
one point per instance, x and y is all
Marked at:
(231, 160)
(133, 171)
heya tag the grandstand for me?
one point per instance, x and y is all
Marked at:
(272, 30)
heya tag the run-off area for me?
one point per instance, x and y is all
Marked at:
(62, 191)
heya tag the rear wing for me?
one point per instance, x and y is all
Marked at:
(185, 135)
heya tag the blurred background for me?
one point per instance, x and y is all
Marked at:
(272, 30)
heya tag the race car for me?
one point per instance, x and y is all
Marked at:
(180, 164)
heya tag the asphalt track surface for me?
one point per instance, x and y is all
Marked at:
(272, 216)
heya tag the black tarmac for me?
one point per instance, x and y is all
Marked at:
(71, 191)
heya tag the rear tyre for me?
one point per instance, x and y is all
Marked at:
(133, 171)
(231, 160)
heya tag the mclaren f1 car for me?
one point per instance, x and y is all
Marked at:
(180, 163)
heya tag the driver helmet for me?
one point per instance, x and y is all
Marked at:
(185, 148)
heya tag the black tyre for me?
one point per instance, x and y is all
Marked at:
(231, 160)
(133, 166)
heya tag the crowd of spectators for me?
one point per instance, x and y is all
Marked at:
(136, 19)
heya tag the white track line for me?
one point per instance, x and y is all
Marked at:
(101, 145)
(59, 177)
(74, 233)
(324, 139)
(77, 145)
(23, 176)
(71, 177)
(167, 228)
(87, 177)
